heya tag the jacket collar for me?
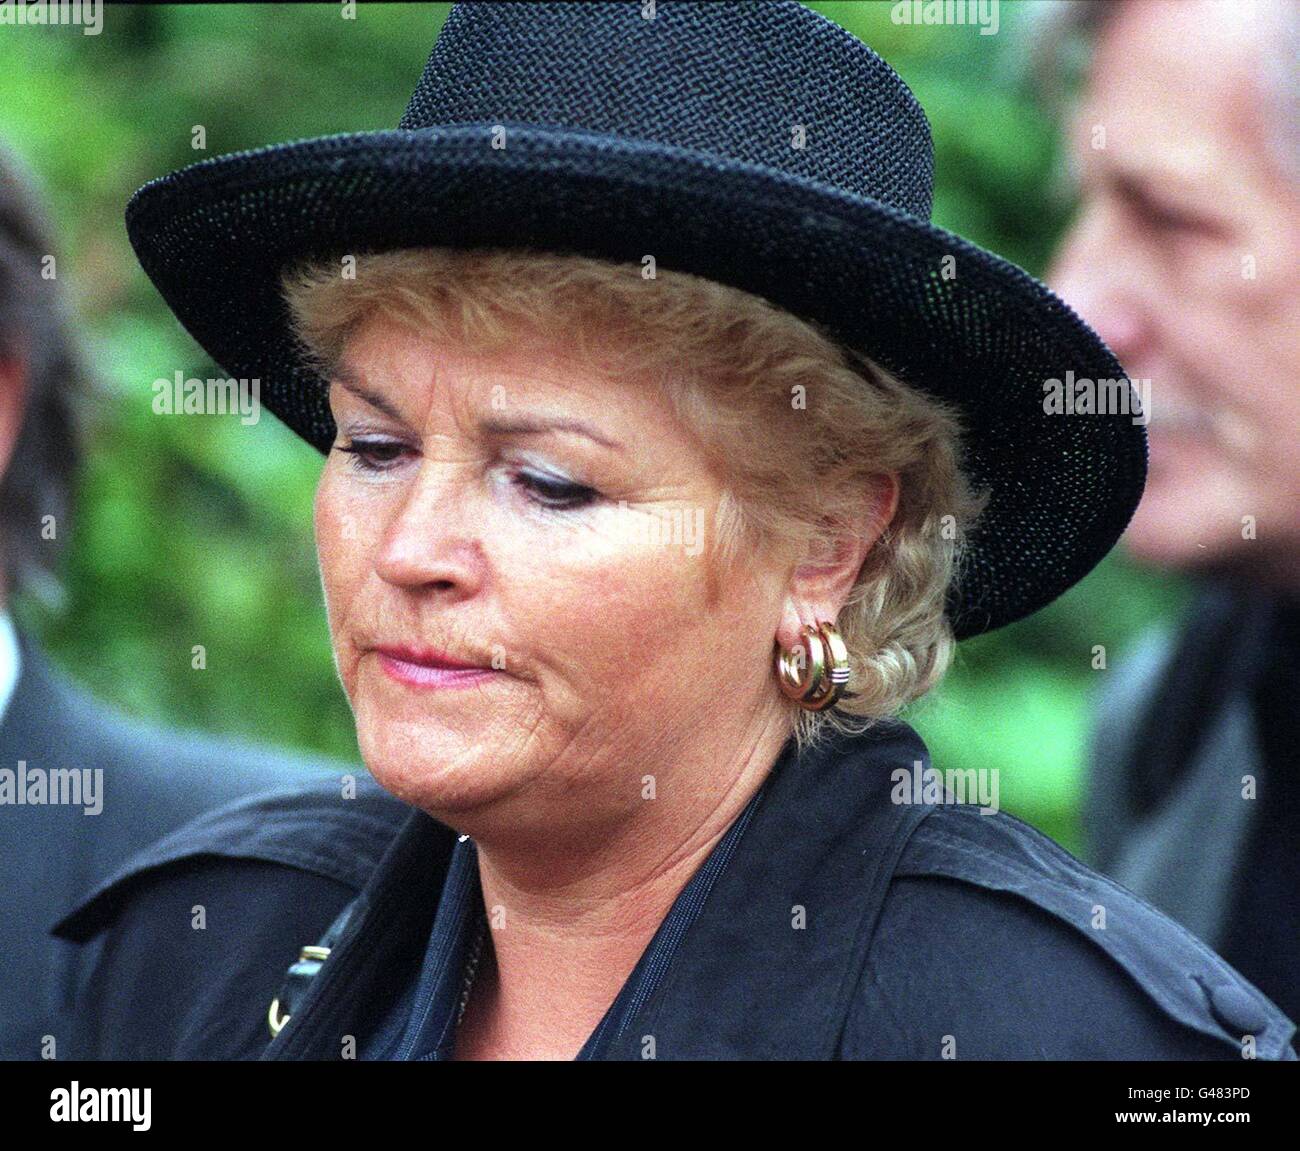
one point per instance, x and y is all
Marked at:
(32, 704)
(765, 971)
(770, 966)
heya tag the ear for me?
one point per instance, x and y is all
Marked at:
(819, 586)
(13, 406)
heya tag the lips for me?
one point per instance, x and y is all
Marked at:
(428, 657)
(428, 668)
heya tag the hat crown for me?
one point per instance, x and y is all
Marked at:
(770, 83)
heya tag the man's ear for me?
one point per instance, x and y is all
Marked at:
(13, 406)
(820, 585)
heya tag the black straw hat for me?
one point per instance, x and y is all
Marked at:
(674, 132)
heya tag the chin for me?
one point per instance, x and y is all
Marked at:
(1189, 522)
(1177, 546)
(428, 765)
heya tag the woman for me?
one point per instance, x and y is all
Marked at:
(658, 419)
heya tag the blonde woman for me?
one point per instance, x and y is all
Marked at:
(664, 466)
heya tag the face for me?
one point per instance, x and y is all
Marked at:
(13, 402)
(1185, 256)
(542, 521)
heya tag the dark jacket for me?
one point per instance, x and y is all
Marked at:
(1194, 788)
(845, 924)
(153, 781)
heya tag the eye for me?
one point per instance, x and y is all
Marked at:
(373, 455)
(549, 492)
(1172, 219)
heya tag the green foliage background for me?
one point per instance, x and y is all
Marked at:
(198, 531)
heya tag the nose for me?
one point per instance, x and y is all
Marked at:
(1099, 275)
(432, 541)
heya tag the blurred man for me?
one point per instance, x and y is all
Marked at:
(81, 788)
(1185, 255)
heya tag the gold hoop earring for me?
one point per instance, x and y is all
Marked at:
(801, 671)
(838, 671)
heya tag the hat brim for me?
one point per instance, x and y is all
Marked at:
(975, 331)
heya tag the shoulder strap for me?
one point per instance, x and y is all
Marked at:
(1189, 982)
(298, 977)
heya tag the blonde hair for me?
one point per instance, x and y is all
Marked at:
(797, 426)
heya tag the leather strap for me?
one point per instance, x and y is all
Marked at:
(297, 979)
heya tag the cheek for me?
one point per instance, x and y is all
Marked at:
(341, 549)
(608, 616)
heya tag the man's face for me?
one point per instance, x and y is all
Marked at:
(1185, 256)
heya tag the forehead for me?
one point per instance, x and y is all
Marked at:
(1181, 80)
(430, 380)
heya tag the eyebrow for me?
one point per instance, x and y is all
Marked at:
(493, 425)
(541, 425)
(346, 378)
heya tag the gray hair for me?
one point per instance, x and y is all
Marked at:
(36, 331)
(1062, 32)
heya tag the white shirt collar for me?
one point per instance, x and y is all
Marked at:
(10, 661)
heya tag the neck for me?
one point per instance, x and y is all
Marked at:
(567, 934)
(1276, 571)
